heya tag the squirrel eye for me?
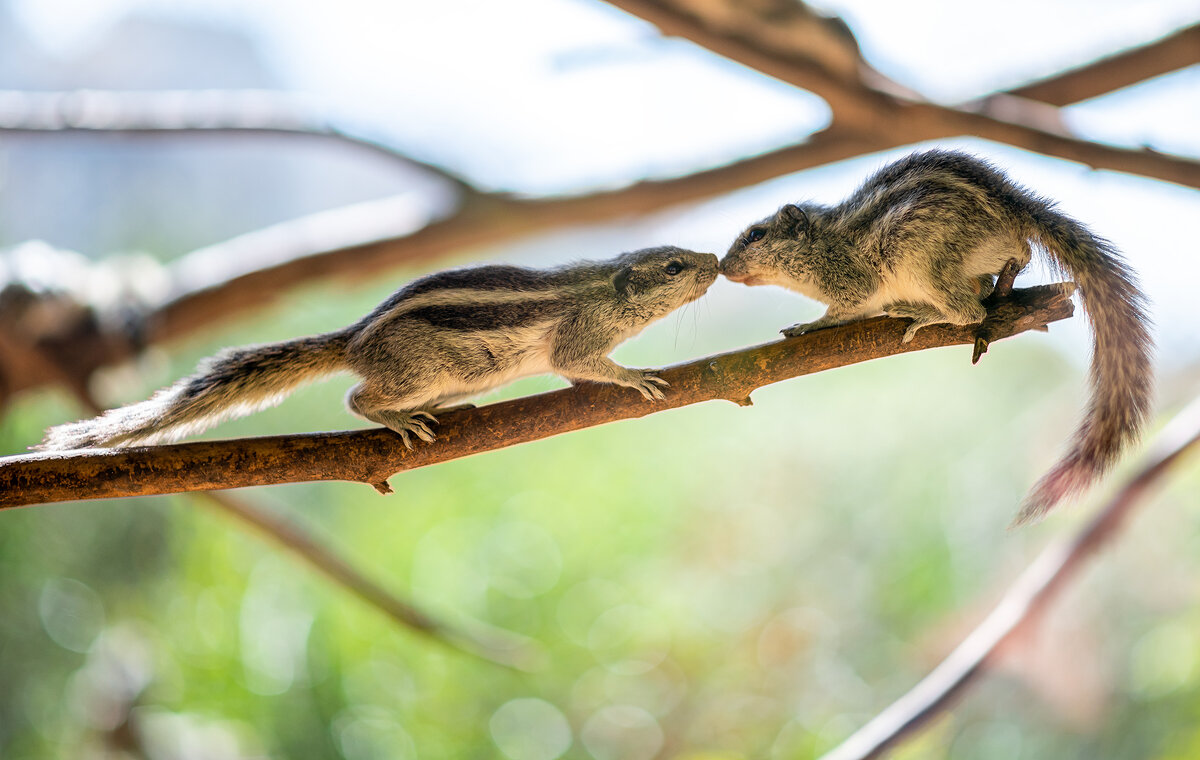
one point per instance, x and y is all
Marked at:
(674, 268)
(755, 235)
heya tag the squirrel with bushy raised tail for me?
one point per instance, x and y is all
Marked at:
(438, 341)
(924, 238)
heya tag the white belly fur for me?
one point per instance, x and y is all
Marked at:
(531, 347)
(915, 286)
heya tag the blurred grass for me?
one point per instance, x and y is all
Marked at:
(711, 582)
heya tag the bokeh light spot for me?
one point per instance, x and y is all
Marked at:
(530, 729)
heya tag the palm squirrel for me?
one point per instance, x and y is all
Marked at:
(441, 339)
(923, 238)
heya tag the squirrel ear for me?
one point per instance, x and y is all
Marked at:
(621, 279)
(793, 218)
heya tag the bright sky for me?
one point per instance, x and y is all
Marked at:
(497, 88)
(552, 95)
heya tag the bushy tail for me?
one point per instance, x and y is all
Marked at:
(1121, 373)
(233, 383)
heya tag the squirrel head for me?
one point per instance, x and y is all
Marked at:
(768, 252)
(656, 281)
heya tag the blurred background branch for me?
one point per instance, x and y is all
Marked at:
(194, 114)
(1119, 70)
(885, 119)
(488, 642)
(1026, 600)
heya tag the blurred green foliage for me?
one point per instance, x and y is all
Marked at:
(712, 582)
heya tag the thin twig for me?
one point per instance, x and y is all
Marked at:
(190, 113)
(372, 456)
(1024, 602)
(494, 644)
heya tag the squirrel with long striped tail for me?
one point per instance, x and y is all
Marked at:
(434, 343)
(924, 238)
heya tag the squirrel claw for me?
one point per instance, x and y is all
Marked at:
(408, 424)
(650, 386)
(422, 431)
(803, 328)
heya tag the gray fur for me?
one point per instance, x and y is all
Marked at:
(435, 342)
(923, 239)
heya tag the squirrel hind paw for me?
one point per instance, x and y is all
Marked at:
(407, 424)
(649, 385)
(911, 331)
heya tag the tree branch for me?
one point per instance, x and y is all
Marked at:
(881, 117)
(372, 456)
(749, 34)
(1032, 129)
(494, 644)
(189, 113)
(1026, 599)
(1128, 67)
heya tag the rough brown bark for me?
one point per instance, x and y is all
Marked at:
(372, 456)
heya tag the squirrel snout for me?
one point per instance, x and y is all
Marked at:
(737, 270)
(732, 267)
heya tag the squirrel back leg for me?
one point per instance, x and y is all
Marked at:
(954, 303)
(921, 314)
(398, 411)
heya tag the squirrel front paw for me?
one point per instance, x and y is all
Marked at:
(647, 383)
(802, 328)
